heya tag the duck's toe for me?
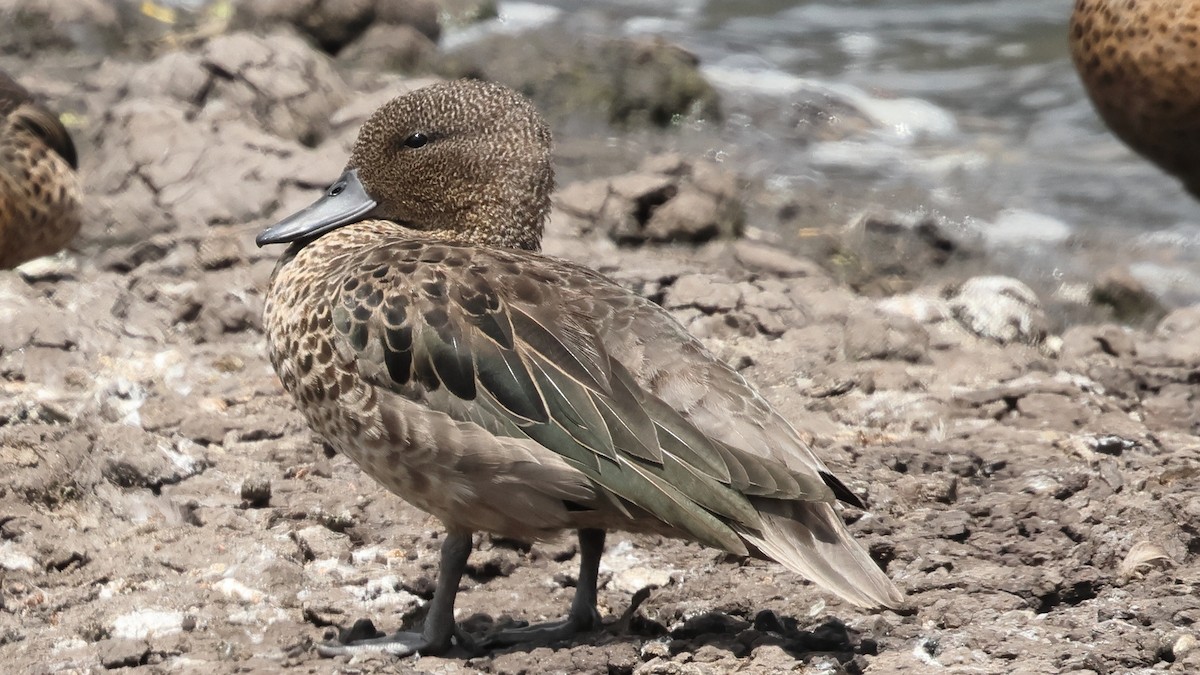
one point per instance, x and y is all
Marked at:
(363, 638)
(544, 633)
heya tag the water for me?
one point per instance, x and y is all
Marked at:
(986, 123)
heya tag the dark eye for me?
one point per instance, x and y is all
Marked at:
(416, 140)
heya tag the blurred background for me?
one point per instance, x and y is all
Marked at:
(965, 116)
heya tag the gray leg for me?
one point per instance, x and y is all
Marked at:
(439, 625)
(583, 616)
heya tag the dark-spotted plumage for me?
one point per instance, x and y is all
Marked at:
(1140, 63)
(39, 191)
(507, 391)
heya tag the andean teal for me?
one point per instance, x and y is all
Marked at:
(39, 191)
(422, 334)
(1140, 63)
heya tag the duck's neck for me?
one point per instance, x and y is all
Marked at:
(498, 227)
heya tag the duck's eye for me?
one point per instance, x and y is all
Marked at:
(416, 140)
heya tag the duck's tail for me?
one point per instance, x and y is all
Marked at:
(810, 539)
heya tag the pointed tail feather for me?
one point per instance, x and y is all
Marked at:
(811, 540)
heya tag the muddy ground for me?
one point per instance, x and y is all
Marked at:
(164, 509)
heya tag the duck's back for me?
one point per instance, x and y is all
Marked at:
(39, 191)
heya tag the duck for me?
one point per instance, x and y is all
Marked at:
(40, 193)
(420, 331)
(1140, 64)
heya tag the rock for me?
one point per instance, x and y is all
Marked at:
(634, 579)
(275, 81)
(1053, 411)
(689, 216)
(887, 255)
(320, 543)
(206, 428)
(820, 115)
(1125, 296)
(142, 191)
(1181, 325)
(134, 458)
(221, 250)
(662, 202)
(121, 653)
(497, 562)
(217, 309)
(1001, 309)
(335, 24)
(627, 81)
(772, 260)
(256, 492)
(660, 83)
(397, 48)
(466, 12)
(332, 25)
(1173, 343)
(583, 199)
(1186, 644)
(704, 292)
(29, 319)
(1108, 339)
(291, 89)
(1143, 556)
(422, 15)
(178, 75)
(919, 307)
(146, 623)
(871, 335)
(36, 26)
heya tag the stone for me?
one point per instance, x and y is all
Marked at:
(772, 260)
(59, 25)
(398, 48)
(704, 292)
(320, 543)
(1125, 296)
(690, 216)
(292, 89)
(660, 202)
(1001, 309)
(628, 82)
(871, 335)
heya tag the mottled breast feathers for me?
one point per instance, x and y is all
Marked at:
(518, 348)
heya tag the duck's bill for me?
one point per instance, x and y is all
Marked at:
(345, 202)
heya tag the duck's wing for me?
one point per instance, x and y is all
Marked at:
(672, 366)
(506, 341)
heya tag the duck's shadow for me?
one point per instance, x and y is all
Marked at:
(738, 635)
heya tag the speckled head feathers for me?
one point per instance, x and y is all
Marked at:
(467, 159)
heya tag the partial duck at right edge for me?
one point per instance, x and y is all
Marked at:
(39, 190)
(1140, 63)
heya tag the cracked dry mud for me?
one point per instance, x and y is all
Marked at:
(164, 509)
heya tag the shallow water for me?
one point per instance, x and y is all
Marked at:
(985, 122)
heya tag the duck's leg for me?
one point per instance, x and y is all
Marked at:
(439, 626)
(583, 616)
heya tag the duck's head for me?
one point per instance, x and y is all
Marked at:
(463, 160)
